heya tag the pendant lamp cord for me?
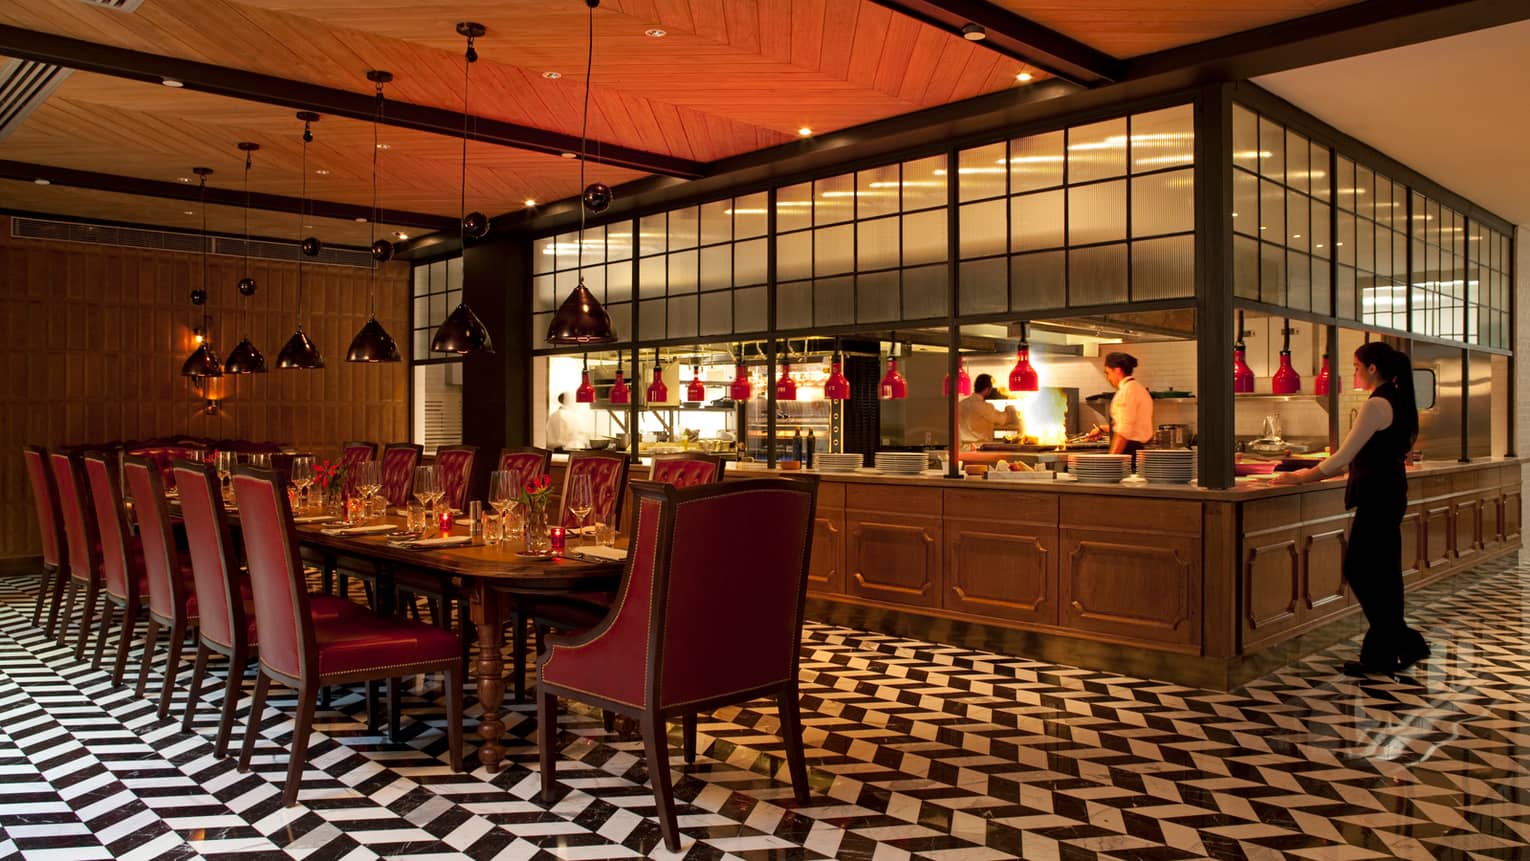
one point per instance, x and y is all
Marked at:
(376, 212)
(471, 56)
(202, 204)
(584, 133)
(244, 307)
(302, 217)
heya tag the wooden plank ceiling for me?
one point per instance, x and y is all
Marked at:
(1131, 28)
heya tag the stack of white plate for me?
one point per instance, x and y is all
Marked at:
(1100, 468)
(1166, 466)
(901, 462)
(844, 462)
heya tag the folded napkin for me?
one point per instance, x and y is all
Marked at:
(314, 518)
(374, 529)
(600, 551)
(446, 541)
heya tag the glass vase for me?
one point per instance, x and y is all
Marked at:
(537, 538)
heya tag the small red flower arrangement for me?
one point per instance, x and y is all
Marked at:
(328, 472)
(537, 493)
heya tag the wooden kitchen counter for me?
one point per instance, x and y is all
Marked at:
(1201, 587)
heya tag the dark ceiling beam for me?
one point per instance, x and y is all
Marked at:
(1348, 31)
(186, 191)
(1017, 37)
(268, 89)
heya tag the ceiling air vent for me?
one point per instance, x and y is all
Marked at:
(166, 240)
(116, 5)
(25, 84)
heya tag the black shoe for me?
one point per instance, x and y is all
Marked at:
(1408, 659)
(1360, 668)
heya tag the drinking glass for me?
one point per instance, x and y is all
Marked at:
(302, 477)
(414, 517)
(605, 536)
(502, 490)
(581, 499)
(225, 461)
(424, 484)
(367, 482)
(261, 459)
(493, 528)
(438, 485)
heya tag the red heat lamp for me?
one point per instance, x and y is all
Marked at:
(1023, 377)
(836, 388)
(963, 381)
(1324, 378)
(1243, 375)
(695, 391)
(1286, 380)
(894, 387)
(658, 393)
(621, 393)
(739, 389)
(786, 387)
(585, 394)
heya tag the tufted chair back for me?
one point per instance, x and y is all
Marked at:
(121, 554)
(608, 478)
(351, 454)
(79, 521)
(525, 463)
(50, 523)
(161, 456)
(168, 592)
(220, 608)
(398, 462)
(456, 467)
(686, 470)
(276, 574)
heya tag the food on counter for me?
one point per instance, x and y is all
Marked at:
(976, 468)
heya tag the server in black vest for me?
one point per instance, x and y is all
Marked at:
(1376, 452)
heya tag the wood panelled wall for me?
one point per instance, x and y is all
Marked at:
(92, 338)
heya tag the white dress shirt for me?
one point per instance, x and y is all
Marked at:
(1131, 411)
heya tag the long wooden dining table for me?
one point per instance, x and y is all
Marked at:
(489, 577)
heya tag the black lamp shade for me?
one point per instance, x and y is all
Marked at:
(372, 344)
(462, 333)
(202, 362)
(581, 320)
(299, 352)
(245, 359)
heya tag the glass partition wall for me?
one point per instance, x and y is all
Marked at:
(1075, 238)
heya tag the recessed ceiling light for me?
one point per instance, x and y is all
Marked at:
(399, 234)
(188, 212)
(569, 154)
(308, 227)
(171, 82)
(974, 32)
(1023, 77)
(185, 179)
(385, 146)
(41, 181)
(360, 220)
(322, 172)
(552, 76)
(655, 33)
(531, 201)
(805, 131)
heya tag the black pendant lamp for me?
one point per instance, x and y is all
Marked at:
(581, 320)
(203, 361)
(373, 343)
(246, 358)
(462, 332)
(299, 351)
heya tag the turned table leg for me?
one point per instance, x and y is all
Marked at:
(487, 607)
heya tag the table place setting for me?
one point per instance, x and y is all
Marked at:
(373, 529)
(312, 518)
(430, 543)
(599, 553)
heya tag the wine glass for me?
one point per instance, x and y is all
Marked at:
(501, 490)
(302, 477)
(367, 483)
(581, 498)
(438, 487)
(425, 484)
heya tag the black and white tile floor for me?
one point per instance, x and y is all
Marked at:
(916, 750)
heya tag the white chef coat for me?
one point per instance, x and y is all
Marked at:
(976, 420)
(1131, 411)
(564, 430)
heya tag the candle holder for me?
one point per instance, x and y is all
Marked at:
(556, 538)
(446, 522)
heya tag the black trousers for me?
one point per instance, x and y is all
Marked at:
(1373, 569)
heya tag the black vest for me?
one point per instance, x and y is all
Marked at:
(1378, 474)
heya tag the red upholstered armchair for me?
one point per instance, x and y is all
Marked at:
(306, 653)
(122, 563)
(83, 547)
(456, 468)
(172, 598)
(398, 462)
(608, 478)
(686, 470)
(351, 454)
(50, 528)
(695, 624)
(526, 463)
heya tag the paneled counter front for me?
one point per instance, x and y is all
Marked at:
(1199, 586)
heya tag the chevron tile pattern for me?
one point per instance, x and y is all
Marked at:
(916, 751)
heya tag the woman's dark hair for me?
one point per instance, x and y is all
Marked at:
(1395, 367)
(1125, 361)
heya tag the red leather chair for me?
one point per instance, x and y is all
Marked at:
(172, 602)
(526, 463)
(122, 563)
(50, 528)
(686, 470)
(398, 462)
(351, 454)
(224, 604)
(306, 653)
(83, 547)
(695, 624)
(456, 465)
(608, 479)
